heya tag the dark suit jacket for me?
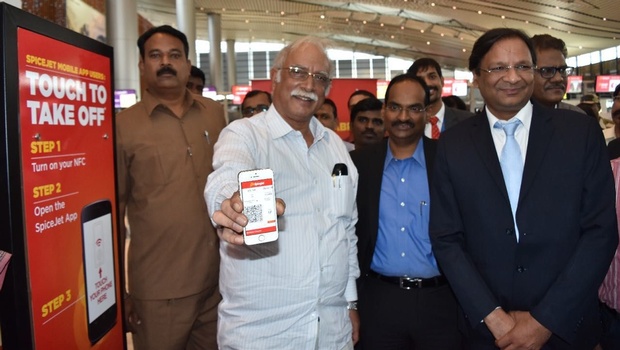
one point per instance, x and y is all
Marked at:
(613, 147)
(369, 162)
(453, 116)
(566, 219)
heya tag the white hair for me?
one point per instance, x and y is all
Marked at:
(320, 43)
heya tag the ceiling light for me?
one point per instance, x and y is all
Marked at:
(422, 31)
(382, 24)
(247, 21)
(442, 34)
(432, 4)
(391, 36)
(454, 7)
(402, 27)
(364, 22)
(464, 50)
(322, 16)
(242, 10)
(281, 13)
(479, 12)
(281, 23)
(503, 17)
(428, 43)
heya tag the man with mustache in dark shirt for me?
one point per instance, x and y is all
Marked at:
(551, 76)
(164, 150)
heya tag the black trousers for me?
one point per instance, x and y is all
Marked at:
(400, 319)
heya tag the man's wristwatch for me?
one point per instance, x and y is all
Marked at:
(352, 305)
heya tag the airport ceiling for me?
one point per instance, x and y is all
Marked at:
(444, 30)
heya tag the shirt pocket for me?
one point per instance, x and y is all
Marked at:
(156, 165)
(342, 195)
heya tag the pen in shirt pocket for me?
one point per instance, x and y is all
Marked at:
(422, 205)
(207, 136)
(340, 169)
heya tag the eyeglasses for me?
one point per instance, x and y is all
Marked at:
(411, 110)
(502, 70)
(301, 74)
(250, 111)
(549, 72)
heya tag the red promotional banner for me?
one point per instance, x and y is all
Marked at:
(239, 92)
(607, 83)
(67, 155)
(456, 87)
(575, 84)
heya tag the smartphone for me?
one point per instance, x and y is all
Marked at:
(99, 273)
(259, 206)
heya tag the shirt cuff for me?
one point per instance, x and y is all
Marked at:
(351, 292)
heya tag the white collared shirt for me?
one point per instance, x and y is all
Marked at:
(440, 115)
(274, 293)
(522, 134)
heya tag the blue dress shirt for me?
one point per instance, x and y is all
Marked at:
(403, 245)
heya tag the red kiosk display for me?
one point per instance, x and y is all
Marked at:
(63, 283)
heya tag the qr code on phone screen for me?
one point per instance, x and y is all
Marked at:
(254, 213)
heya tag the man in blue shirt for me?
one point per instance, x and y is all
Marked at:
(404, 301)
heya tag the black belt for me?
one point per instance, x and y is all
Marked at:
(411, 282)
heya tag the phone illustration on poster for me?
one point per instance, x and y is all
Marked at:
(99, 277)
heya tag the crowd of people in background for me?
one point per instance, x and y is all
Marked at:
(443, 229)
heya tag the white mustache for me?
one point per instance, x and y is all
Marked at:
(306, 94)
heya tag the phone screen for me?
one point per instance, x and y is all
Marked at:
(98, 250)
(258, 195)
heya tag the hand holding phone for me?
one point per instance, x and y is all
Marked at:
(257, 192)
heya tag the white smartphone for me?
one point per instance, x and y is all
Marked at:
(259, 206)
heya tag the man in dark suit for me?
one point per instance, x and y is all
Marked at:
(614, 146)
(440, 117)
(404, 301)
(532, 284)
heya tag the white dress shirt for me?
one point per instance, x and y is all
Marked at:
(274, 294)
(428, 128)
(522, 134)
